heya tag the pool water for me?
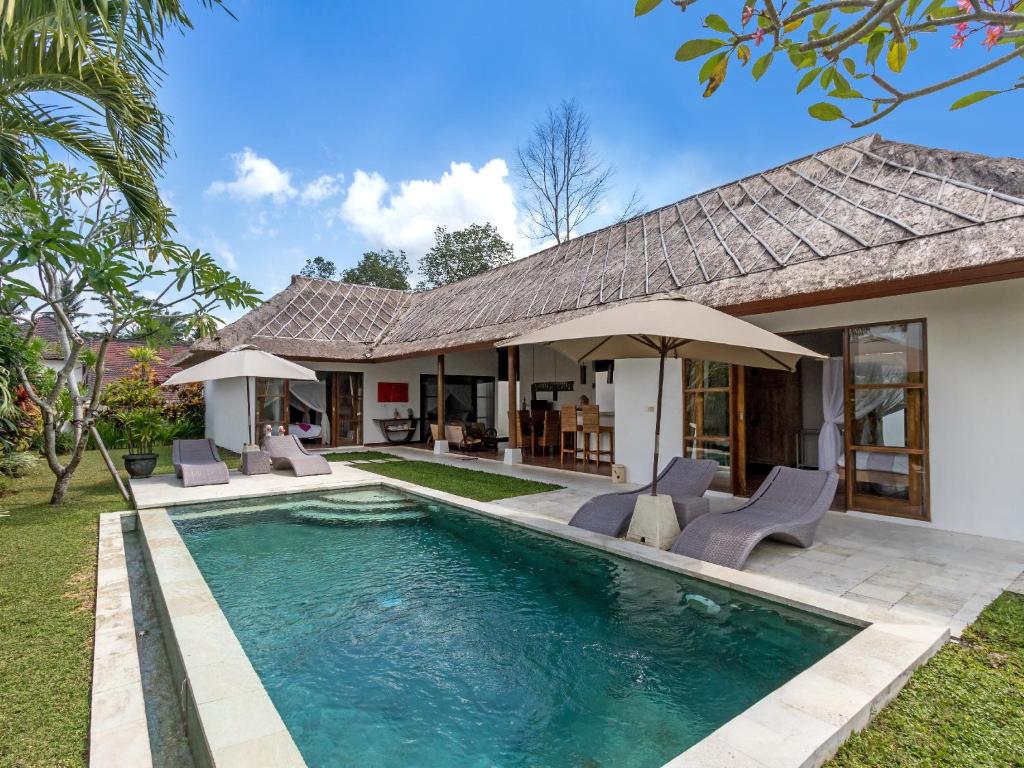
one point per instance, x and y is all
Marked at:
(392, 631)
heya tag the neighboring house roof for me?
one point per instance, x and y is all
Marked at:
(867, 212)
(45, 328)
(119, 364)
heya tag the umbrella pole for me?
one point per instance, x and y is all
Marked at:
(248, 414)
(657, 420)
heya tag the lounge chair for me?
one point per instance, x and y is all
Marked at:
(461, 439)
(685, 480)
(787, 507)
(196, 462)
(286, 452)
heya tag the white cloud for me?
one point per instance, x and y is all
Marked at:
(258, 225)
(221, 251)
(405, 215)
(255, 178)
(322, 188)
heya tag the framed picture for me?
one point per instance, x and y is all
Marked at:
(392, 392)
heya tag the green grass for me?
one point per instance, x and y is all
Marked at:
(468, 483)
(360, 456)
(963, 709)
(47, 590)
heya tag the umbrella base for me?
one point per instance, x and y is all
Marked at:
(654, 522)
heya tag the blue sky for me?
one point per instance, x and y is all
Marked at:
(329, 128)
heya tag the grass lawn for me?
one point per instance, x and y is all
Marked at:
(472, 484)
(47, 589)
(964, 708)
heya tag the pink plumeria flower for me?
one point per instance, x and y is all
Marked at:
(958, 40)
(965, 5)
(962, 27)
(758, 36)
(748, 14)
(992, 35)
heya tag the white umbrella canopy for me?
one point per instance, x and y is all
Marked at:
(670, 326)
(662, 327)
(243, 361)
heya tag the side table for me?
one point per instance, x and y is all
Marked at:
(255, 462)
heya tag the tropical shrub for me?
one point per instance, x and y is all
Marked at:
(18, 464)
(144, 428)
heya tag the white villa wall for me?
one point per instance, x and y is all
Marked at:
(225, 399)
(226, 420)
(636, 393)
(975, 347)
(480, 363)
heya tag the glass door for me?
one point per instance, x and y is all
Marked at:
(711, 415)
(886, 461)
(271, 406)
(348, 408)
(467, 400)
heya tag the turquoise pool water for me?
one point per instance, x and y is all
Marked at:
(393, 631)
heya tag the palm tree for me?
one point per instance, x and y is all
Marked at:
(81, 74)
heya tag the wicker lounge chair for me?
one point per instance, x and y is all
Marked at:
(286, 452)
(787, 507)
(460, 438)
(196, 462)
(685, 480)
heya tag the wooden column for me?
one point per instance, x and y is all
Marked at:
(513, 411)
(440, 397)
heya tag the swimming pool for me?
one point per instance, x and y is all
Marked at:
(393, 630)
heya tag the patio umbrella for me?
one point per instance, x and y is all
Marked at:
(243, 361)
(649, 329)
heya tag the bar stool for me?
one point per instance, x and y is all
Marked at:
(525, 432)
(592, 426)
(550, 437)
(569, 429)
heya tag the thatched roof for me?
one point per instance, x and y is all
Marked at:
(865, 212)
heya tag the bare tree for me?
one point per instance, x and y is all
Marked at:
(633, 208)
(562, 179)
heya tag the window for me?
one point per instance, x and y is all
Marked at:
(707, 416)
(886, 460)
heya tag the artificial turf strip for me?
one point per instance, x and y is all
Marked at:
(964, 708)
(468, 483)
(47, 592)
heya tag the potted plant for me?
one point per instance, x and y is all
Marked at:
(143, 428)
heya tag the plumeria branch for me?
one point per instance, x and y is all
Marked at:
(887, 30)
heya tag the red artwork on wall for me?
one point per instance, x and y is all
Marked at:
(392, 392)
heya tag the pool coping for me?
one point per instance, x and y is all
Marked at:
(118, 727)
(798, 725)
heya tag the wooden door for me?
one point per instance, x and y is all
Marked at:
(772, 417)
(347, 408)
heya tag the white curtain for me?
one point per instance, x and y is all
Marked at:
(881, 401)
(830, 441)
(313, 394)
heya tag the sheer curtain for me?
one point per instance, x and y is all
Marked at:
(830, 441)
(880, 401)
(313, 394)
